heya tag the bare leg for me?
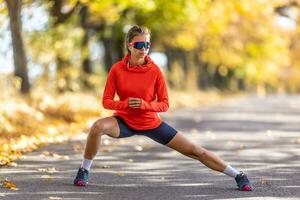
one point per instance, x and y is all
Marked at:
(181, 144)
(106, 126)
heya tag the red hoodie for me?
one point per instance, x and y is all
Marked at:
(145, 82)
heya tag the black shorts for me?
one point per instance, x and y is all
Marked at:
(163, 134)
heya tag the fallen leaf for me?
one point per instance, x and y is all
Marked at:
(105, 166)
(105, 150)
(264, 181)
(55, 198)
(106, 142)
(10, 185)
(42, 170)
(52, 170)
(64, 158)
(122, 141)
(46, 153)
(12, 164)
(138, 148)
(159, 157)
(48, 170)
(121, 174)
(77, 147)
(46, 177)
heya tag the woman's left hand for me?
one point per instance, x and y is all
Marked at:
(134, 102)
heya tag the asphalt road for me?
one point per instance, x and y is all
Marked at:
(258, 136)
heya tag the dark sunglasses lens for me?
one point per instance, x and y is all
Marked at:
(140, 45)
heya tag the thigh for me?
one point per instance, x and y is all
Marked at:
(162, 134)
(183, 145)
(124, 129)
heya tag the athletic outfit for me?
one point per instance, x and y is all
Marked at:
(163, 134)
(147, 83)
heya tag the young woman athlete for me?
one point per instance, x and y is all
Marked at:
(142, 92)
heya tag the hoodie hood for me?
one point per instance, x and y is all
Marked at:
(142, 68)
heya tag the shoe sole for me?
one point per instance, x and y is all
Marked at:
(246, 188)
(80, 184)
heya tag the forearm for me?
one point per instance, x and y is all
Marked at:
(115, 105)
(154, 106)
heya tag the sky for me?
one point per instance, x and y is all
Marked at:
(34, 18)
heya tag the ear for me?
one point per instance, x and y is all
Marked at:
(130, 48)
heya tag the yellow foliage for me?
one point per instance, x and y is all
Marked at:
(8, 184)
(42, 119)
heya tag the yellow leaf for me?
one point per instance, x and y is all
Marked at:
(46, 153)
(55, 198)
(105, 150)
(46, 177)
(121, 174)
(10, 185)
(49, 170)
(138, 148)
(105, 166)
(42, 169)
(264, 181)
(52, 170)
(13, 164)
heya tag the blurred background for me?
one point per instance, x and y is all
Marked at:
(70, 45)
(55, 55)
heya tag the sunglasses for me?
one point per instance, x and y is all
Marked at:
(140, 45)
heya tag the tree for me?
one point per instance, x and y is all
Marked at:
(20, 60)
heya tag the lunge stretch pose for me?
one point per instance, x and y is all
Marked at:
(142, 92)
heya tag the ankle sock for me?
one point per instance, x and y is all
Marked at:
(86, 164)
(230, 171)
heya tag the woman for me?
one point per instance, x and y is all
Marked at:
(142, 91)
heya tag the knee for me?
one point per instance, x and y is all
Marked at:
(97, 129)
(198, 152)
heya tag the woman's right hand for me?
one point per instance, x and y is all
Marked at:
(134, 102)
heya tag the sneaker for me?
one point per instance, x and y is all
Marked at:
(81, 177)
(243, 182)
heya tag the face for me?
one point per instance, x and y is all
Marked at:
(139, 53)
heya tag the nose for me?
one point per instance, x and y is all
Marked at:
(145, 49)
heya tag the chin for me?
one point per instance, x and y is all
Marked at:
(141, 56)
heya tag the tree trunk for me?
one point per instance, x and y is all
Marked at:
(108, 57)
(20, 61)
(190, 70)
(110, 54)
(176, 77)
(170, 58)
(86, 62)
(64, 80)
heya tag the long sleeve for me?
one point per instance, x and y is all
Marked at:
(108, 101)
(162, 103)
